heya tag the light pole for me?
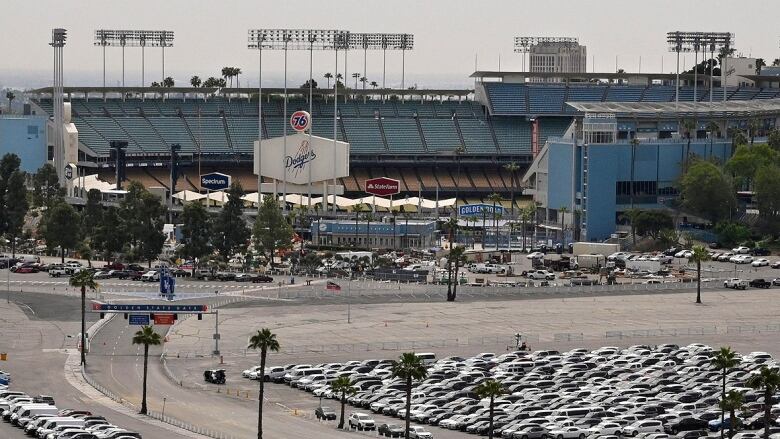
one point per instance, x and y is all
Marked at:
(58, 37)
(133, 38)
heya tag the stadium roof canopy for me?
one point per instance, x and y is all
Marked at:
(250, 91)
(736, 108)
(587, 77)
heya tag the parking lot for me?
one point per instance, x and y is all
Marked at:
(642, 391)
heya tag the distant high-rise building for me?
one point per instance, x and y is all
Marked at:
(557, 57)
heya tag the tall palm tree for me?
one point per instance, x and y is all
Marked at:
(512, 167)
(724, 360)
(753, 126)
(10, 96)
(363, 80)
(455, 258)
(732, 402)
(525, 216)
(689, 127)
(147, 337)
(357, 208)
(700, 254)
(409, 368)
(195, 81)
(563, 210)
(713, 128)
(368, 217)
(328, 76)
(374, 85)
(265, 341)
(237, 72)
(632, 215)
(452, 226)
(489, 389)
(168, 82)
(769, 380)
(495, 199)
(345, 387)
(83, 279)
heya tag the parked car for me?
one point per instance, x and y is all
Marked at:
(535, 255)
(151, 276)
(737, 284)
(419, 432)
(243, 277)
(391, 430)
(741, 250)
(261, 278)
(760, 283)
(57, 271)
(762, 262)
(760, 251)
(541, 275)
(685, 424)
(361, 421)
(325, 413)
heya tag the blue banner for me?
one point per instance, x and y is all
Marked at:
(139, 319)
(479, 209)
(215, 181)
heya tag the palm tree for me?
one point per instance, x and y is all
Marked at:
(495, 199)
(147, 337)
(713, 128)
(455, 258)
(700, 254)
(10, 96)
(409, 368)
(724, 360)
(632, 215)
(769, 380)
(345, 387)
(753, 126)
(237, 72)
(328, 76)
(168, 82)
(265, 340)
(226, 73)
(512, 167)
(689, 126)
(634, 144)
(83, 279)
(452, 226)
(363, 80)
(374, 85)
(562, 210)
(368, 218)
(195, 81)
(731, 402)
(489, 389)
(525, 216)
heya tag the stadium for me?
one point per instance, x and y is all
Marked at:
(512, 134)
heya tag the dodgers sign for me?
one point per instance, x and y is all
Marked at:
(479, 209)
(215, 181)
(300, 120)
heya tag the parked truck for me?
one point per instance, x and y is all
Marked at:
(651, 266)
(591, 261)
(595, 248)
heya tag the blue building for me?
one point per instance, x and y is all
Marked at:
(608, 163)
(24, 136)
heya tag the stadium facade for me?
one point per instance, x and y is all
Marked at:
(443, 143)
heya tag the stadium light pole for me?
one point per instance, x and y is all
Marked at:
(523, 46)
(675, 41)
(58, 37)
(133, 38)
(101, 39)
(142, 43)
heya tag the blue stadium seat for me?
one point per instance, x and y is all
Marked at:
(507, 98)
(363, 134)
(440, 134)
(477, 136)
(658, 94)
(546, 99)
(143, 133)
(402, 135)
(513, 135)
(243, 133)
(447, 108)
(173, 130)
(624, 93)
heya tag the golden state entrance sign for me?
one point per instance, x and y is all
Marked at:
(303, 161)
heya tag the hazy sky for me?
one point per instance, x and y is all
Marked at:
(448, 35)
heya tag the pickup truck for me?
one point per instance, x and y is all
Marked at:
(57, 271)
(541, 275)
(737, 284)
(760, 283)
(489, 268)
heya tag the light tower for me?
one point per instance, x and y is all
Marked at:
(58, 37)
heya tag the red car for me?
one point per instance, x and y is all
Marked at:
(26, 270)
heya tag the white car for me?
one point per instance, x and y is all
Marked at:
(741, 250)
(760, 262)
(541, 275)
(568, 433)
(150, 276)
(247, 372)
(535, 255)
(683, 254)
(418, 432)
(645, 426)
(361, 421)
(725, 256)
(618, 255)
(604, 428)
(741, 259)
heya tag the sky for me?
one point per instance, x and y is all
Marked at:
(450, 36)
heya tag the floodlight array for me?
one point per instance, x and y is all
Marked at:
(320, 39)
(58, 37)
(524, 44)
(680, 41)
(134, 38)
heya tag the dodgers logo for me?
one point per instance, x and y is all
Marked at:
(296, 163)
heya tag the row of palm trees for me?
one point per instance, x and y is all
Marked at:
(339, 77)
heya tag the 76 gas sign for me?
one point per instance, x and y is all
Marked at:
(300, 120)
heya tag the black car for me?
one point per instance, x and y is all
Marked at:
(686, 424)
(391, 430)
(216, 376)
(671, 251)
(760, 283)
(325, 413)
(179, 272)
(692, 434)
(226, 276)
(760, 251)
(261, 278)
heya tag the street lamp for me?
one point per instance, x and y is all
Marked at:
(133, 38)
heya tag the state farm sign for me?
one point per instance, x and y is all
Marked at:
(383, 186)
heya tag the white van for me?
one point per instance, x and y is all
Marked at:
(22, 416)
(302, 373)
(427, 358)
(52, 423)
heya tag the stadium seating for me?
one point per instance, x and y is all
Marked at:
(402, 135)
(513, 136)
(658, 94)
(440, 134)
(546, 99)
(477, 136)
(173, 130)
(506, 98)
(143, 133)
(624, 93)
(364, 135)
